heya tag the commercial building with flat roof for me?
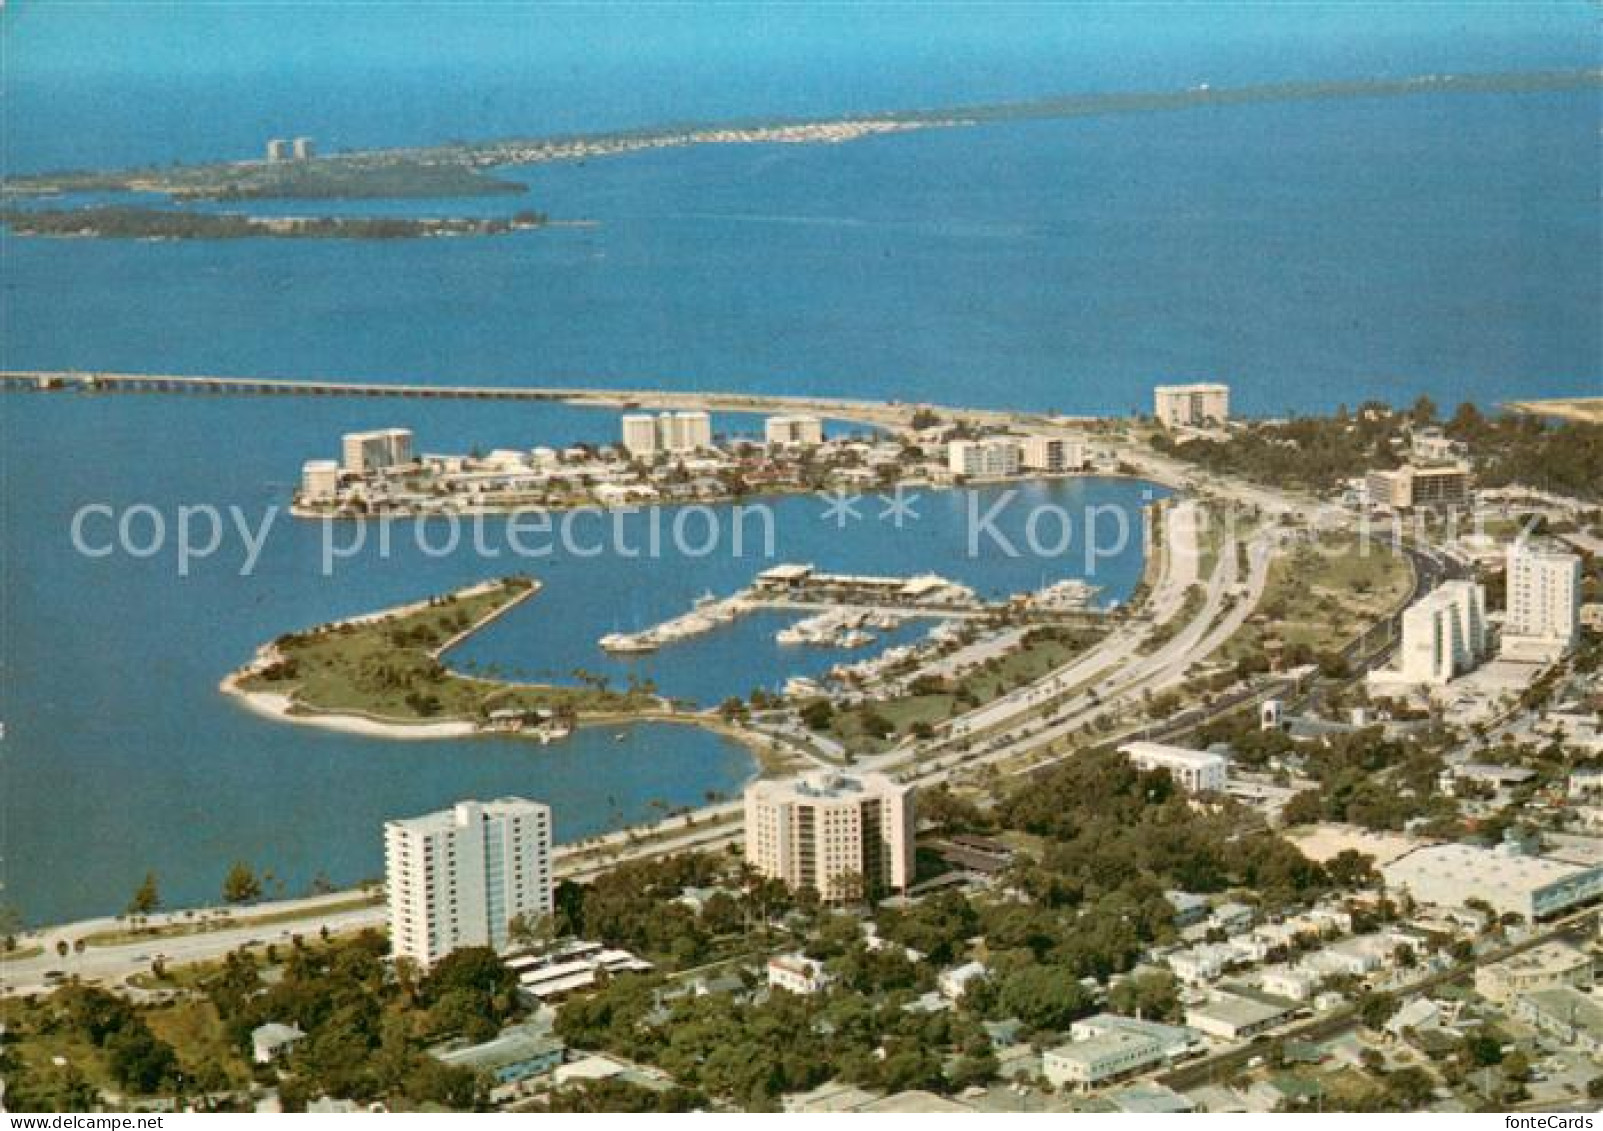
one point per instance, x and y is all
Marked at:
(1543, 967)
(1565, 1013)
(517, 1053)
(1109, 1055)
(1532, 886)
(846, 838)
(458, 877)
(1238, 1016)
(1183, 406)
(1195, 771)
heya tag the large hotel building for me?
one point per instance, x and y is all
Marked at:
(457, 877)
(847, 838)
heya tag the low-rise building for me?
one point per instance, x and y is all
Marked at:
(1232, 918)
(1195, 771)
(1238, 1016)
(273, 1040)
(797, 974)
(1110, 1055)
(1544, 967)
(1565, 1013)
(518, 1053)
(1174, 1040)
(954, 983)
(1294, 983)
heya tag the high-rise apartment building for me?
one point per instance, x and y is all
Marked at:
(1544, 596)
(991, 458)
(1190, 406)
(458, 877)
(363, 452)
(793, 431)
(844, 837)
(645, 435)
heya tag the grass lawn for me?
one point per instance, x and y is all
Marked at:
(1324, 595)
(1040, 652)
(123, 935)
(196, 1033)
(389, 667)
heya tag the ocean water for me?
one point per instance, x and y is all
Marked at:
(1445, 245)
(1310, 254)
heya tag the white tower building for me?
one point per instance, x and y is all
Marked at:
(457, 877)
(844, 837)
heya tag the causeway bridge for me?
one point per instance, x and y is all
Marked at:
(886, 414)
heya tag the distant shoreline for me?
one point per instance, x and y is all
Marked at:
(459, 169)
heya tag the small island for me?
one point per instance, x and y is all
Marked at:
(114, 222)
(383, 674)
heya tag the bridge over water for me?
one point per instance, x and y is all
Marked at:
(881, 413)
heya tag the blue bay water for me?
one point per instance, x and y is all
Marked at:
(121, 754)
(1372, 249)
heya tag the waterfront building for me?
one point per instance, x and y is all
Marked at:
(1194, 405)
(302, 149)
(844, 837)
(1544, 599)
(645, 435)
(686, 431)
(1415, 485)
(640, 434)
(1051, 454)
(1444, 635)
(365, 452)
(320, 480)
(459, 876)
(1195, 771)
(793, 431)
(277, 150)
(1531, 886)
(990, 458)
(1544, 967)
